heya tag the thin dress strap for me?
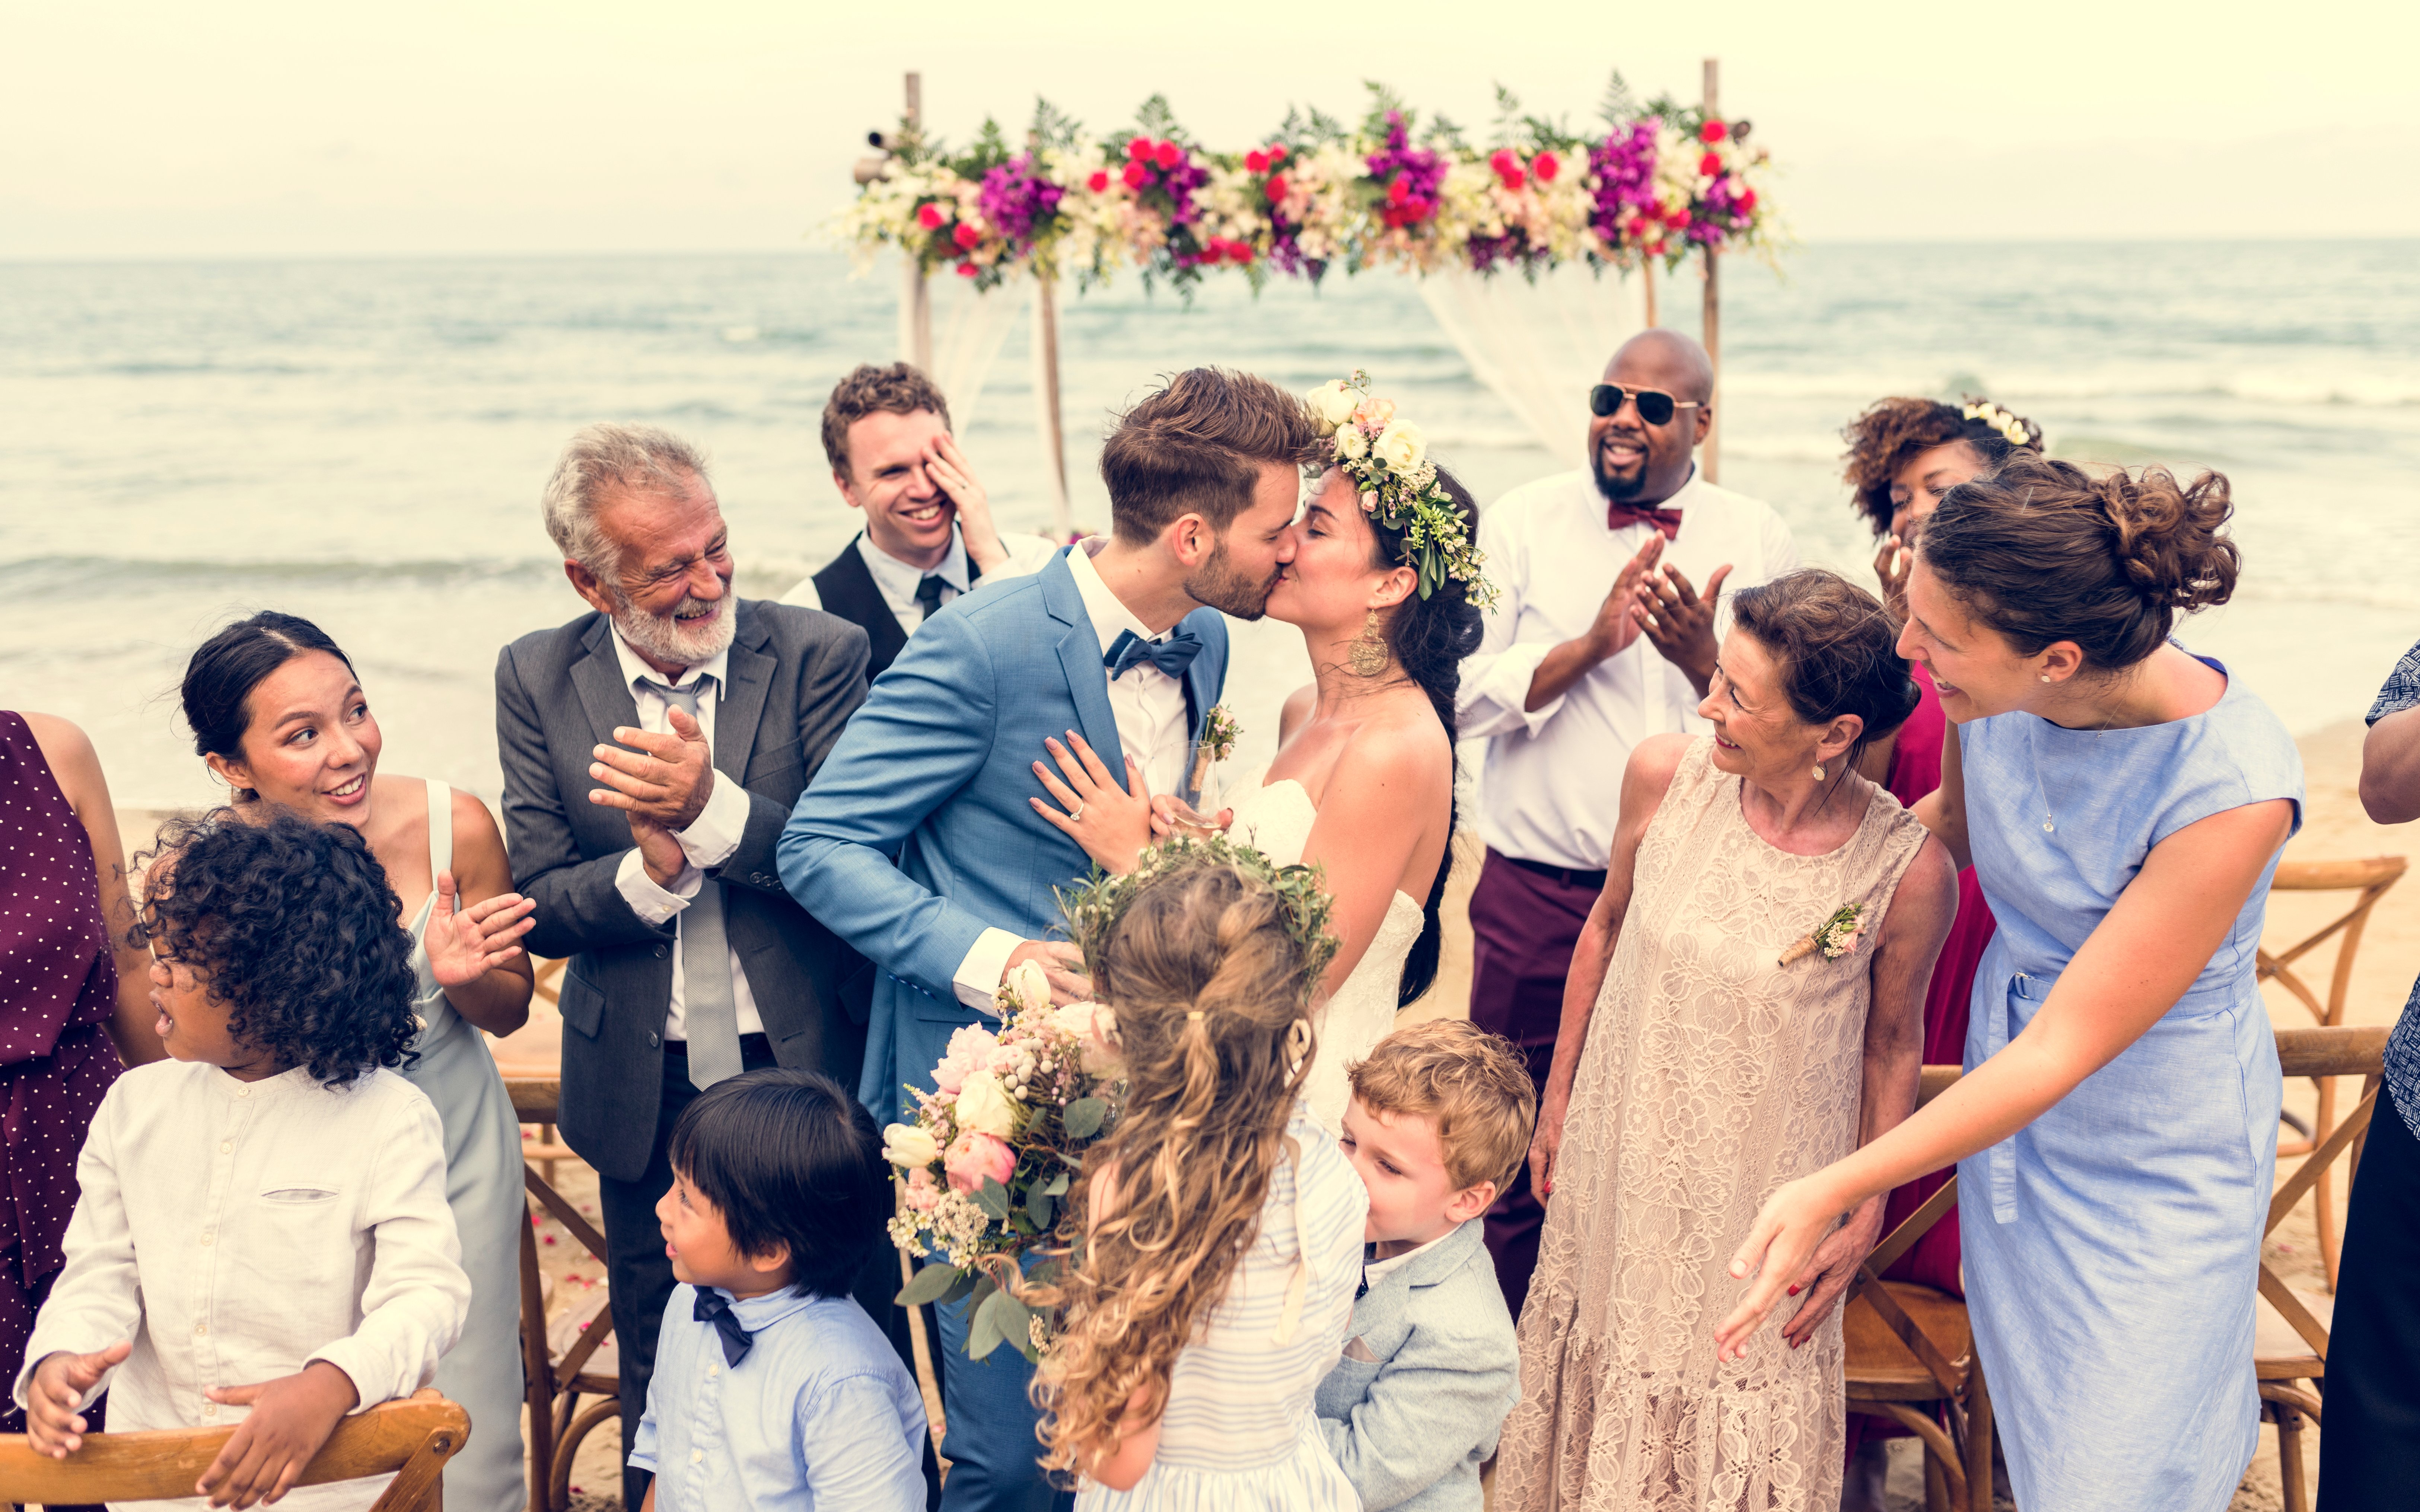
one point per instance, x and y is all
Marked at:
(440, 835)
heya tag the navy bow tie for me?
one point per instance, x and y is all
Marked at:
(714, 1308)
(1172, 655)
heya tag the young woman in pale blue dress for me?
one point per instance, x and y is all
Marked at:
(2123, 804)
(1223, 1227)
(279, 716)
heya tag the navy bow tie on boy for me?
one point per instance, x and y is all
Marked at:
(1172, 655)
(714, 1308)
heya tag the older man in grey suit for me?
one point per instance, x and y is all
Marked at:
(652, 751)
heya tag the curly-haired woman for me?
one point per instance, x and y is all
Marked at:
(263, 1233)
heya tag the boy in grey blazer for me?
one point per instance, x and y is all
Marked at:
(1440, 1120)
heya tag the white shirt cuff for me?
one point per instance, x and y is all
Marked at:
(1495, 703)
(652, 903)
(714, 834)
(980, 973)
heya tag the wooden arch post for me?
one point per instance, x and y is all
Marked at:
(1713, 310)
(915, 300)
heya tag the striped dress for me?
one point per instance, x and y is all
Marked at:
(1241, 1434)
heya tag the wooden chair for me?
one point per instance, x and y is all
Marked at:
(1909, 1347)
(2370, 879)
(2289, 1343)
(574, 1357)
(536, 1050)
(410, 1440)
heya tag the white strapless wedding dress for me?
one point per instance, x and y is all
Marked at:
(1276, 819)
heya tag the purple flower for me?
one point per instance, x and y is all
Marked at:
(1016, 199)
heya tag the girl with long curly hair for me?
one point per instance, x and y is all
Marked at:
(1217, 1232)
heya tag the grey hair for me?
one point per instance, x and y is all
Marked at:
(601, 458)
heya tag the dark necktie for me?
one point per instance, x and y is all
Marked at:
(1617, 515)
(714, 1308)
(709, 1013)
(1172, 655)
(928, 595)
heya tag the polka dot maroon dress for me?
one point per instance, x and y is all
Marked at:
(58, 986)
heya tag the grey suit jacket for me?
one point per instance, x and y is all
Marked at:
(1412, 1426)
(797, 674)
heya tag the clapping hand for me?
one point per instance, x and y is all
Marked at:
(464, 944)
(290, 1418)
(1111, 822)
(1618, 619)
(667, 779)
(1893, 560)
(1682, 623)
(54, 1396)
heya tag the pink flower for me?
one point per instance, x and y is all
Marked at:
(1099, 182)
(971, 1051)
(971, 1157)
(1544, 167)
(965, 236)
(969, 270)
(929, 216)
(1277, 153)
(1256, 161)
(1168, 154)
(1712, 132)
(1138, 147)
(1711, 166)
(1277, 189)
(1136, 175)
(922, 1195)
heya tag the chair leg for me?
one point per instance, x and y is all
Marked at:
(1936, 1484)
(2323, 1197)
(1978, 1441)
(2290, 1457)
(537, 1374)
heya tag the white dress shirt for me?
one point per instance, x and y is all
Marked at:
(236, 1231)
(898, 580)
(1149, 708)
(708, 841)
(1552, 786)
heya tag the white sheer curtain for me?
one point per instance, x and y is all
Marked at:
(968, 330)
(1539, 345)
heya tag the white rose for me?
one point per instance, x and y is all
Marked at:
(1332, 405)
(1029, 985)
(910, 1146)
(1095, 1029)
(984, 1106)
(1401, 446)
(1351, 444)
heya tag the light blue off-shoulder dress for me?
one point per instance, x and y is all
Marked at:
(2112, 1246)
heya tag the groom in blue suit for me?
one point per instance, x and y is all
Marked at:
(918, 843)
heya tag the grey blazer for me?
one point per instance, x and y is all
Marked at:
(797, 674)
(1412, 1428)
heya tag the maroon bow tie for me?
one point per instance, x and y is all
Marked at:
(1617, 515)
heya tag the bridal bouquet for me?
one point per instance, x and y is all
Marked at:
(992, 1151)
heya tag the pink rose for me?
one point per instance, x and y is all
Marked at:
(975, 1156)
(922, 1195)
(971, 1051)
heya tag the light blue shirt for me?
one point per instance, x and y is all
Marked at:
(818, 1416)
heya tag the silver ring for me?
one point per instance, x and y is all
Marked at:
(1075, 816)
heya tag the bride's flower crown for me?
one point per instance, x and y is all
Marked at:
(2013, 427)
(1388, 460)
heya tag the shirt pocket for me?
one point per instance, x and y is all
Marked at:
(301, 1232)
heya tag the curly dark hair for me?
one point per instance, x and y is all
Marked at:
(293, 927)
(1892, 430)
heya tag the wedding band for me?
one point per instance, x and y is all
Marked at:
(1075, 816)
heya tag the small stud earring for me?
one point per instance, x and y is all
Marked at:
(2046, 677)
(1819, 771)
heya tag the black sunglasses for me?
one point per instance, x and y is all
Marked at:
(1655, 408)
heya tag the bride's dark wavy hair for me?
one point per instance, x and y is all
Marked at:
(1429, 638)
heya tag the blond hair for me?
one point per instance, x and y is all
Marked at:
(1204, 966)
(1474, 1085)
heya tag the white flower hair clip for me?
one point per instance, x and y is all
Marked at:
(2011, 428)
(1387, 456)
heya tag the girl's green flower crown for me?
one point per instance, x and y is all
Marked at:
(1387, 459)
(1094, 907)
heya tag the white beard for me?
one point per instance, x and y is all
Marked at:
(666, 638)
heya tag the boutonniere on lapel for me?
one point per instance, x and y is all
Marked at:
(1219, 733)
(1836, 936)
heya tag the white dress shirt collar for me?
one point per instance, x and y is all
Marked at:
(634, 667)
(1106, 611)
(898, 580)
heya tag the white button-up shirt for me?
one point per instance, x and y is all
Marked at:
(236, 1231)
(898, 580)
(1552, 787)
(708, 841)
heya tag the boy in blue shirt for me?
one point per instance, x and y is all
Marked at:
(772, 1388)
(1439, 1122)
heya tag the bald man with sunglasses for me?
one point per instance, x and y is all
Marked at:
(1605, 632)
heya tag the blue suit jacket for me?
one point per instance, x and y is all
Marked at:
(916, 837)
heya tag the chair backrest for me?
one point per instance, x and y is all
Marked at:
(2341, 1051)
(411, 1440)
(2369, 878)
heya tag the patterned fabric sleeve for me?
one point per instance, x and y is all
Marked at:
(2402, 690)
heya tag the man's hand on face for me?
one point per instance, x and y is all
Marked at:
(947, 467)
(667, 779)
(1680, 623)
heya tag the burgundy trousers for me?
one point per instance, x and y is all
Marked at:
(1524, 926)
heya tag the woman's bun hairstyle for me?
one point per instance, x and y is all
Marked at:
(1837, 649)
(2044, 551)
(1890, 431)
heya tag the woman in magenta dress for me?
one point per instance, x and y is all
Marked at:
(1904, 454)
(74, 999)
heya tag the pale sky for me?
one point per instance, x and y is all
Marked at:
(159, 129)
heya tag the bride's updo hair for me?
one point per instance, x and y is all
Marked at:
(2044, 551)
(1429, 638)
(1837, 648)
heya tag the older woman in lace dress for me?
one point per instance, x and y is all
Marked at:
(1717, 1042)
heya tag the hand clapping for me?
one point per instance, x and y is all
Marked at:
(667, 779)
(1680, 623)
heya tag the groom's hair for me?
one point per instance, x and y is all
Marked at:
(1195, 447)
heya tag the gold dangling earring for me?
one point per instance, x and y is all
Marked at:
(1368, 656)
(1819, 771)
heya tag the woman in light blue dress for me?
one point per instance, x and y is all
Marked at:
(279, 716)
(2123, 803)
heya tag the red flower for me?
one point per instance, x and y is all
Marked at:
(1168, 154)
(1137, 147)
(1256, 161)
(1504, 163)
(1136, 176)
(1545, 166)
(1398, 191)
(967, 269)
(1277, 153)
(929, 216)
(1241, 252)
(1215, 251)
(1711, 166)
(1747, 201)
(1712, 132)
(1099, 182)
(1392, 216)
(965, 236)
(1515, 179)
(1418, 209)
(1678, 219)
(1277, 187)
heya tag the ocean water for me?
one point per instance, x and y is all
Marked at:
(362, 442)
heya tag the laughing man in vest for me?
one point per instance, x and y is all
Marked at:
(928, 533)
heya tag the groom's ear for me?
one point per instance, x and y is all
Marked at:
(1189, 539)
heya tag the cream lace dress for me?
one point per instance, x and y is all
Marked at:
(1711, 1075)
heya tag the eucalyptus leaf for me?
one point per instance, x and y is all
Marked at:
(993, 1198)
(1083, 1118)
(1001, 1316)
(1038, 1207)
(1057, 1187)
(1016, 1322)
(961, 1291)
(931, 1284)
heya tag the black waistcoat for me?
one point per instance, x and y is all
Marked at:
(847, 589)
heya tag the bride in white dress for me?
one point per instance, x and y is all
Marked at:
(1362, 786)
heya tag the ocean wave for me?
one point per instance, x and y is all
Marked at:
(2381, 391)
(62, 576)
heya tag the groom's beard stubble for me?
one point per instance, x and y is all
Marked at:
(1219, 585)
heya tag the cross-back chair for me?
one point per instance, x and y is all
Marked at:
(2370, 879)
(410, 1440)
(575, 1356)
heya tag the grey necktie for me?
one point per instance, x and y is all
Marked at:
(709, 1011)
(928, 595)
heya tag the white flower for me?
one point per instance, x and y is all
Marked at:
(909, 1146)
(984, 1106)
(1401, 446)
(1095, 1029)
(1029, 984)
(1332, 405)
(1351, 444)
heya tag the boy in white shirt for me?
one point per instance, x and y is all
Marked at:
(263, 1237)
